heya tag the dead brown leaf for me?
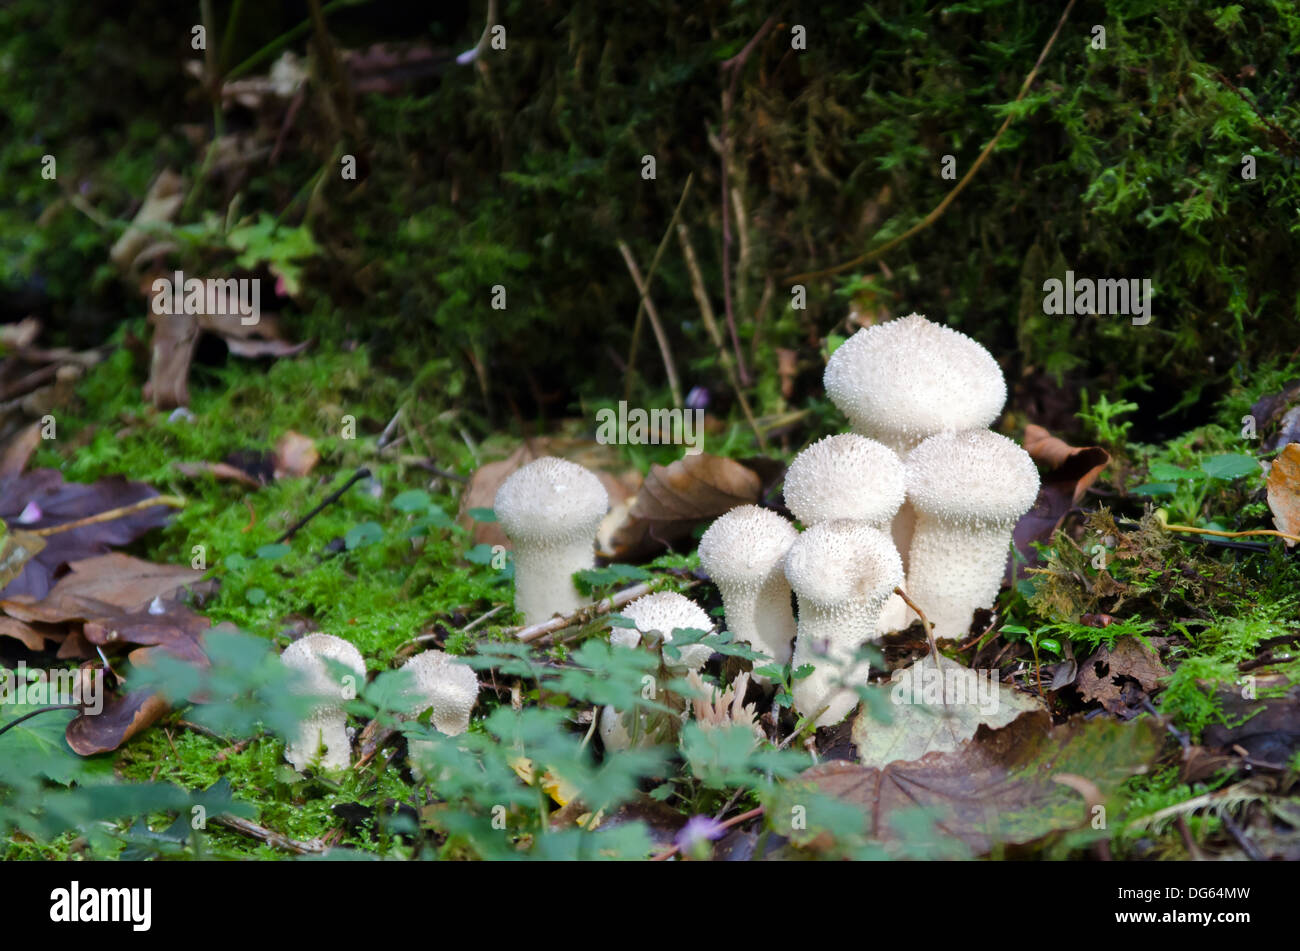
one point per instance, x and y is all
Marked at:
(1284, 491)
(31, 636)
(1069, 471)
(1002, 785)
(20, 449)
(105, 586)
(1102, 677)
(174, 340)
(160, 205)
(674, 499)
(218, 470)
(295, 455)
(122, 718)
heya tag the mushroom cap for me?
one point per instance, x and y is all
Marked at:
(550, 501)
(970, 477)
(745, 547)
(666, 611)
(910, 378)
(845, 476)
(446, 684)
(308, 654)
(842, 561)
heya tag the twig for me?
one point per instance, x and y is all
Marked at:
(733, 821)
(649, 279)
(1193, 530)
(711, 325)
(173, 500)
(934, 215)
(362, 473)
(534, 631)
(647, 305)
(1239, 834)
(27, 716)
(428, 638)
(269, 836)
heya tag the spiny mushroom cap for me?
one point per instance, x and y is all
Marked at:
(843, 561)
(665, 612)
(446, 684)
(845, 476)
(550, 502)
(971, 477)
(745, 547)
(308, 655)
(910, 378)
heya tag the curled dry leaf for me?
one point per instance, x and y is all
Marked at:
(675, 499)
(295, 455)
(1284, 491)
(1068, 471)
(1104, 676)
(122, 718)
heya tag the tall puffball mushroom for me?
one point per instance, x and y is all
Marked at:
(327, 724)
(968, 489)
(743, 552)
(663, 611)
(843, 573)
(550, 509)
(904, 380)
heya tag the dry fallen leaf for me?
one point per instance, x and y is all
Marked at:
(1102, 676)
(122, 718)
(921, 725)
(1068, 472)
(104, 586)
(675, 499)
(295, 455)
(1284, 491)
(999, 787)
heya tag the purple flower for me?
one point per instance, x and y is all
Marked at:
(698, 829)
(697, 398)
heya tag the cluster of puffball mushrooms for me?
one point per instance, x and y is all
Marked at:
(921, 496)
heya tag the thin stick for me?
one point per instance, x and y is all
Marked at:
(362, 473)
(582, 615)
(733, 68)
(648, 306)
(27, 716)
(173, 500)
(925, 623)
(934, 215)
(650, 276)
(711, 325)
(1193, 530)
(269, 836)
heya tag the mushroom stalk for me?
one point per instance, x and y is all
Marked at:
(955, 570)
(843, 573)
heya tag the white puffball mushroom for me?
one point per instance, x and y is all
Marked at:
(845, 476)
(969, 489)
(843, 573)
(906, 379)
(445, 683)
(743, 552)
(327, 725)
(550, 509)
(666, 611)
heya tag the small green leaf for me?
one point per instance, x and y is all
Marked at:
(412, 500)
(1156, 488)
(255, 595)
(366, 533)
(1230, 466)
(482, 515)
(272, 552)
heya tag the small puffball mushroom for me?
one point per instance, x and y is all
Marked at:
(906, 379)
(327, 725)
(550, 509)
(445, 683)
(843, 573)
(968, 489)
(666, 611)
(743, 552)
(845, 476)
